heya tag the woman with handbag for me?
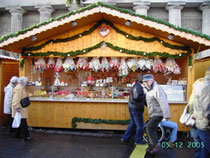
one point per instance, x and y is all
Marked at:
(20, 93)
(200, 109)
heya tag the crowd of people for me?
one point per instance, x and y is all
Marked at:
(145, 92)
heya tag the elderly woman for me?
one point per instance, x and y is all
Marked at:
(19, 93)
(8, 90)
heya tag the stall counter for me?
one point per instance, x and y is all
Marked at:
(58, 113)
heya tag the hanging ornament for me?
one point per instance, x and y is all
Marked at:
(103, 30)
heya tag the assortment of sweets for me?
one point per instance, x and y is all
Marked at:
(124, 66)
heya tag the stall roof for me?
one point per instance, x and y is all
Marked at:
(7, 57)
(95, 12)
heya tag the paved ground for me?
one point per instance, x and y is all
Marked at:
(54, 143)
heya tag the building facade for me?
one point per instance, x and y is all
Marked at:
(17, 15)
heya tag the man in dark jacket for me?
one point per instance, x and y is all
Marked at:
(136, 109)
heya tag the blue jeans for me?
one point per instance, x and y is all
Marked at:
(194, 134)
(173, 126)
(204, 136)
(136, 124)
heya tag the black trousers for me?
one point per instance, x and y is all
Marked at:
(151, 129)
(10, 124)
(23, 129)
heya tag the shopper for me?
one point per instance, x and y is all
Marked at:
(201, 114)
(8, 91)
(136, 108)
(19, 93)
(158, 109)
(193, 130)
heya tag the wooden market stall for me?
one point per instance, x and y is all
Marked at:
(84, 95)
(9, 67)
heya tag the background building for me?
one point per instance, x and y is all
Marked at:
(19, 14)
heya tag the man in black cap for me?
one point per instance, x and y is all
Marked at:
(136, 108)
(158, 109)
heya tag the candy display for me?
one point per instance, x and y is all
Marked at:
(95, 64)
(114, 63)
(105, 65)
(40, 64)
(172, 66)
(158, 65)
(51, 63)
(133, 64)
(58, 65)
(123, 69)
(82, 64)
(38, 93)
(149, 63)
(69, 64)
(144, 64)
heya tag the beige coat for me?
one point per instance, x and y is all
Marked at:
(19, 93)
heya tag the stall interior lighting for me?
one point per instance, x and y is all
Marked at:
(33, 38)
(128, 23)
(74, 23)
(170, 36)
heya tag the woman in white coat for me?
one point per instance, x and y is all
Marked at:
(8, 91)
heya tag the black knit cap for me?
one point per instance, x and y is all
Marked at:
(139, 78)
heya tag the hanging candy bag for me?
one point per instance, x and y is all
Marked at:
(51, 63)
(58, 65)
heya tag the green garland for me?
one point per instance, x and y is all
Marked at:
(86, 50)
(129, 36)
(116, 48)
(4, 38)
(97, 121)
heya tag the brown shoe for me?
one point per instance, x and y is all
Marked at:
(172, 145)
(155, 149)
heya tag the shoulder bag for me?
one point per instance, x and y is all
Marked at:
(186, 119)
(25, 102)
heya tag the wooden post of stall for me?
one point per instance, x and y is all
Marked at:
(190, 77)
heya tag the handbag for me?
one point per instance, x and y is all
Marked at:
(25, 102)
(186, 119)
(17, 120)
